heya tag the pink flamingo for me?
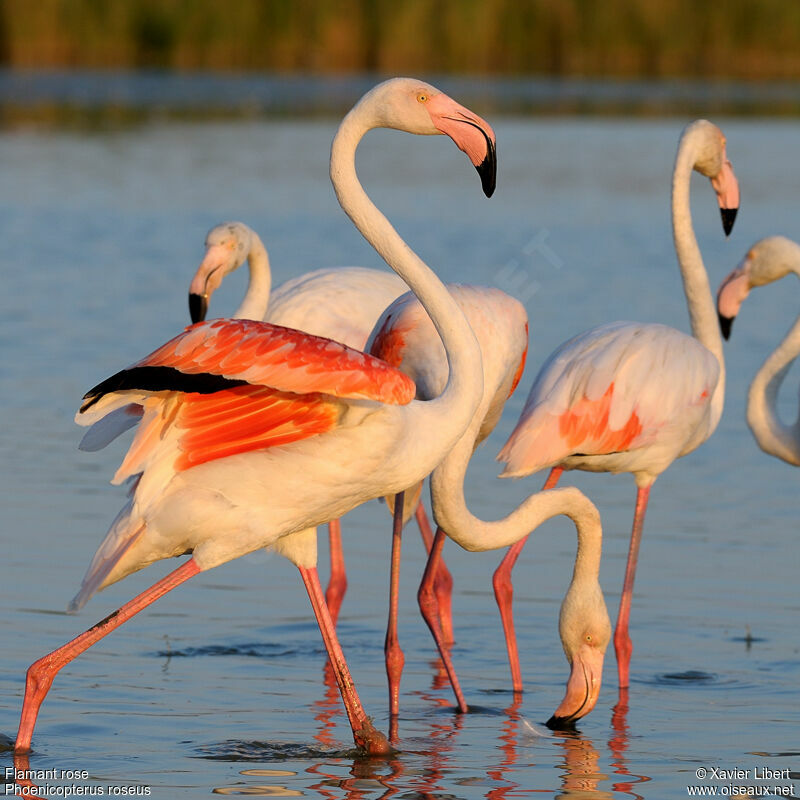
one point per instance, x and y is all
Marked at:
(630, 397)
(250, 435)
(342, 304)
(406, 338)
(768, 260)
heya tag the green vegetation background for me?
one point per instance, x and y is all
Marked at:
(758, 39)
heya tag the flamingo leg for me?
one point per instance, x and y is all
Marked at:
(504, 592)
(428, 606)
(394, 655)
(42, 672)
(443, 584)
(337, 583)
(365, 735)
(623, 646)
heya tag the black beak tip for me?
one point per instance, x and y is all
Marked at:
(487, 169)
(560, 723)
(728, 218)
(198, 306)
(725, 325)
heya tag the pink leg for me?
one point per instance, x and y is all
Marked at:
(41, 673)
(394, 655)
(623, 646)
(428, 606)
(337, 583)
(364, 734)
(504, 592)
(443, 584)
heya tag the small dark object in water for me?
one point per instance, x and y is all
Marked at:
(690, 676)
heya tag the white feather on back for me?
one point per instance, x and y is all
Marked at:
(341, 304)
(657, 373)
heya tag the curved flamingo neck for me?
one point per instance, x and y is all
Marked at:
(702, 312)
(474, 534)
(256, 299)
(771, 433)
(449, 414)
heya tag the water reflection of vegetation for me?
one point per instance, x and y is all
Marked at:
(96, 102)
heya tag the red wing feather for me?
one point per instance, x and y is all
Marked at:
(521, 367)
(585, 429)
(247, 418)
(389, 343)
(282, 358)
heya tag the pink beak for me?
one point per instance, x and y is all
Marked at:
(732, 292)
(727, 188)
(472, 135)
(207, 278)
(583, 688)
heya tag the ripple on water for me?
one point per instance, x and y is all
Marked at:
(263, 791)
(236, 750)
(6, 743)
(251, 650)
(691, 676)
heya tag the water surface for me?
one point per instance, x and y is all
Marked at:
(220, 685)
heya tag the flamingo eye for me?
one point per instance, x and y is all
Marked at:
(588, 637)
(422, 97)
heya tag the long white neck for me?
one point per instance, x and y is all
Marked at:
(702, 312)
(772, 435)
(474, 534)
(256, 299)
(449, 414)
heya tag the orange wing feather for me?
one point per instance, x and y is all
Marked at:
(584, 427)
(248, 418)
(282, 358)
(521, 367)
(389, 343)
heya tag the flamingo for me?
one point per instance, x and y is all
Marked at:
(628, 396)
(250, 435)
(405, 338)
(766, 261)
(342, 304)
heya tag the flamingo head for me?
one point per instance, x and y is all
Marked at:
(227, 246)
(414, 106)
(585, 631)
(712, 161)
(768, 260)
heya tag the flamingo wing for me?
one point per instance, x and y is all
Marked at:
(611, 389)
(202, 427)
(222, 354)
(230, 386)
(405, 337)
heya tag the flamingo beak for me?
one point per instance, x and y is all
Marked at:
(472, 135)
(728, 218)
(725, 325)
(727, 188)
(487, 169)
(732, 293)
(198, 306)
(583, 688)
(207, 279)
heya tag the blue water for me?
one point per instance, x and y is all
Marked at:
(220, 685)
